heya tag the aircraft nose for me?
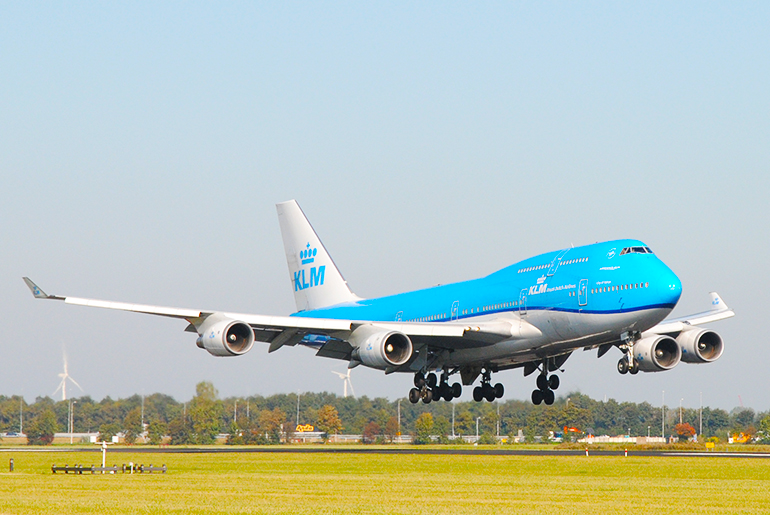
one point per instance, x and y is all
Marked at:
(671, 287)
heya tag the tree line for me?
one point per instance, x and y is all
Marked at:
(258, 419)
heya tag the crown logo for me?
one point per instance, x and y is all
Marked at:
(308, 255)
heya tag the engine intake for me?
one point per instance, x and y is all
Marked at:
(225, 337)
(379, 348)
(700, 345)
(657, 353)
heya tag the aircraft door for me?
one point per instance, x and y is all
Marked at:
(583, 292)
(556, 262)
(523, 302)
(455, 310)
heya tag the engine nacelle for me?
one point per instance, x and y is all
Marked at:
(378, 348)
(657, 353)
(225, 337)
(700, 345)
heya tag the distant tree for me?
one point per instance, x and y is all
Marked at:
(108, 430)
(685, 431)
(235, 435)
(329, 421)
(156, 430)
(270, 424)
(205, 413)
(423, 428)
(42, 428)
(465, 424)
(391, 428)
(132, 426)
(441, 428)
(371, 432)
(180, 431)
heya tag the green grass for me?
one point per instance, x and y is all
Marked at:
(315, 483)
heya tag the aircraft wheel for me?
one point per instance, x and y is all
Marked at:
(457, 390)
(489, 393)
(448, 396)
(427, 397)
(549, 397)
(431, 380)
(499, 390)
(623, 366)
(553, 382)
(478, 394)
(436, 394)
(537, 397)
(542, 382)
(419, 380)
(634, 369)
(414, 395)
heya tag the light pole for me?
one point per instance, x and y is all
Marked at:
(680, 410)
(72, 418)
(477, 428)
(648, 431)
(700, 416)
(663, 416)
(453, 420)
(399, 420)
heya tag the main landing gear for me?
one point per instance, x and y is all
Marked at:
(486, 390)
(429, 388)
(628, 364)
(545, 386)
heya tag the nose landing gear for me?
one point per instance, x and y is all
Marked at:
(628, 364)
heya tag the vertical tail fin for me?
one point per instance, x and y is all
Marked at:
(315, 278)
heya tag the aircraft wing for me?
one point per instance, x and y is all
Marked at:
(291, 330)
(719, 311)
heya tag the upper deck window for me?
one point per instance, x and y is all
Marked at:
(636, 250)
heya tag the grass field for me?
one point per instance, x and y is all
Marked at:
(313, 483)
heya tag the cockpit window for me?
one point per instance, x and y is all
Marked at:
(636, 250)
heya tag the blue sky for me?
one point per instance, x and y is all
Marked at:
(143, 147)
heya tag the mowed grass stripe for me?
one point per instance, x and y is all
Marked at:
(382, 483)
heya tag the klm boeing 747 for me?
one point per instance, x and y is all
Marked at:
(531, 315)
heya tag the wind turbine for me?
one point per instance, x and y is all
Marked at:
(65, 376)
(346, 382)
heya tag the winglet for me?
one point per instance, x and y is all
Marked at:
(37, 292)
(717, 302)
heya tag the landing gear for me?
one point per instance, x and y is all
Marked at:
(429, 388)
(486, 390)
(545, 386)
(628, 363)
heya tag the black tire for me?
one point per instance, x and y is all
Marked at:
(549, 397)
(537, 397)
(489, 392)
(623, 366)
(414, 395)
(431, 380)
(634, 369)
(478, 394)
(553, 382)
(457, 390)
(436, 394)
(419, 380)
(499, 391)
(427, 397)
(542, 382)
(448, 395)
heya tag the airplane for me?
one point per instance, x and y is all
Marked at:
(531, 315)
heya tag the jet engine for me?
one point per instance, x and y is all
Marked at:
(378, 348)
(657, 353)
(700, 345)
(225, 337)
